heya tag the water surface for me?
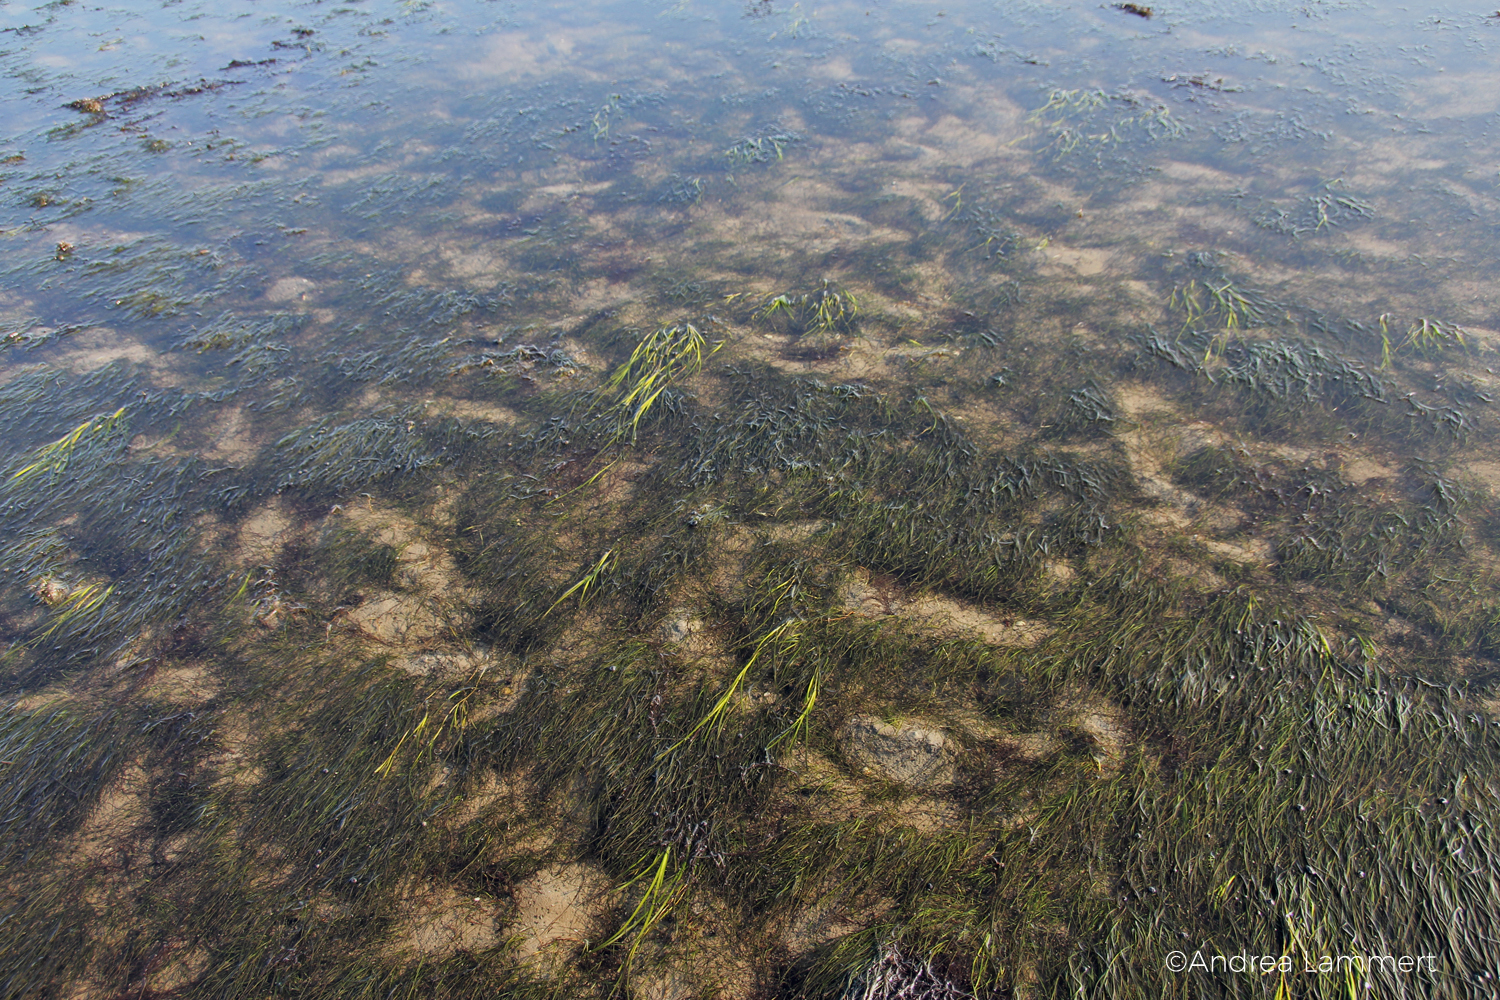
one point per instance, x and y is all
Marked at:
(748, 499)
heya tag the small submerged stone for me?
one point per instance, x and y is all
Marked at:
(51, 591)
(907, 753)
(680, 626)
(447, 663)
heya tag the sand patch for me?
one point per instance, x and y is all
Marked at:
(798, 217)
(702, 962)
(36, 700)
(395, 620)
(160, 446)
(181, 967)
(582, 356)
(557, 909)
(587, 635)
(507, 805)
(821, 789)
(1483, 335)
(471, 410)
(949, 613)
(1138, 400)
(1197, 173)
(952, 140)
(732, 555)
(1361, 469)
(680, 627)
(451, 664)
(1292, 453)
(1084, 261)
(1167, 520)
(1059, 572)
(122, 808)
(443, 923)
(233, 764)
(293, 289)
(829, 919)
(420, 564)
(794, 531)
(1251, 551)
(1486, 472)
(429, 606)
(1201, 577)
(92, 349)
(1106, 724)
(262, 535)
(823, 792)
(618, 483)
(926, 814)
(927, 197)
(488, 792)
(186, 684)
(235, 441)
(1152, 448)
(874, 595)
(1032, 746)
(1159, 440)
(601, 293)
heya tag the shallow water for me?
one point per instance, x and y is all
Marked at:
(748, 499)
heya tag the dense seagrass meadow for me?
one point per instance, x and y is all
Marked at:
(745, 499)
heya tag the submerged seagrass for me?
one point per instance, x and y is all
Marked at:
(744, 500)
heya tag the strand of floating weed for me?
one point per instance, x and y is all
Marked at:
(723, 702)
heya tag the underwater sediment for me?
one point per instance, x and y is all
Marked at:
(747, 501)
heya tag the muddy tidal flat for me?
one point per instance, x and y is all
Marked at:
(749, 500)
